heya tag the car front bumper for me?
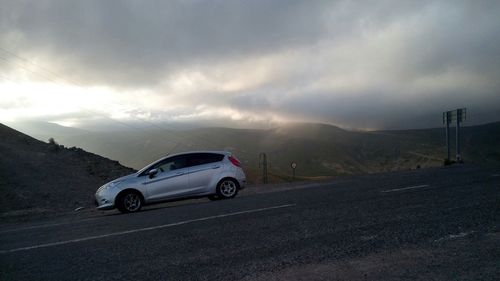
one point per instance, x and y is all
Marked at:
(103, 201)
(107, 206)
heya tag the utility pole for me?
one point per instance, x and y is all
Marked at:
(263, 164)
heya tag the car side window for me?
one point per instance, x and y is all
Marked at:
(196, 159)
(171, 164)
(213, 157)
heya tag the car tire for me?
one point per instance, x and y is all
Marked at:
(227, 188)
(129, 202)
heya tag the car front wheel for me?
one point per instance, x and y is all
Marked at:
(129, 202)
(227, 188)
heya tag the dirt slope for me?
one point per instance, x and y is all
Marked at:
(40, 177)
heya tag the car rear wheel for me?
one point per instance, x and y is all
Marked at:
(129, 202)
(227, 188)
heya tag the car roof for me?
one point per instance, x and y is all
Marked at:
(198, 151)
(227, 153)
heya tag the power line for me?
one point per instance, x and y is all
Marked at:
(26, 68)
(34, 64)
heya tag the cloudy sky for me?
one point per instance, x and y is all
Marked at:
(356, 64)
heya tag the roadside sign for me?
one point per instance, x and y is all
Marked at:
(453, 115)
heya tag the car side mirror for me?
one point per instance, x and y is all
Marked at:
(152, 173)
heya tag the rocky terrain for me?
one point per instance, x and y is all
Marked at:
(38, 177)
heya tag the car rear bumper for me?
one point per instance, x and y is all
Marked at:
(242, 183)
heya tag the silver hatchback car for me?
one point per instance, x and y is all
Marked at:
(216, 174)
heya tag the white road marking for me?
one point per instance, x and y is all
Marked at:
(47, 225)
(454, 236)
(142, 229)
(405, 188)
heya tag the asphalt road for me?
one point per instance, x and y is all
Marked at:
(433, 224)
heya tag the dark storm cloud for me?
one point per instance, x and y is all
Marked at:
(139, 41)
(367, 64)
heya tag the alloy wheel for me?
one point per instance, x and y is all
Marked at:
(228, 188)
(132, 202)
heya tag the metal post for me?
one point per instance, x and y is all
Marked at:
(294, 166)
(447, 120)
(459, 117)
(263, 160)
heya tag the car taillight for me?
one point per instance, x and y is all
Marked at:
(235, 161)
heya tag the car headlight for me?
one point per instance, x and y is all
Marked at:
(112, 184)
(108, 186)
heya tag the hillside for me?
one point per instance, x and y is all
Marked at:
(320, 150)
(45, 130)
(42, 177)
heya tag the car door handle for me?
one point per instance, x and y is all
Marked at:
(179, 173)
(216, 167)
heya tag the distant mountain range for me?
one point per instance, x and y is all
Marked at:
(38, 177)
(319, 150)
